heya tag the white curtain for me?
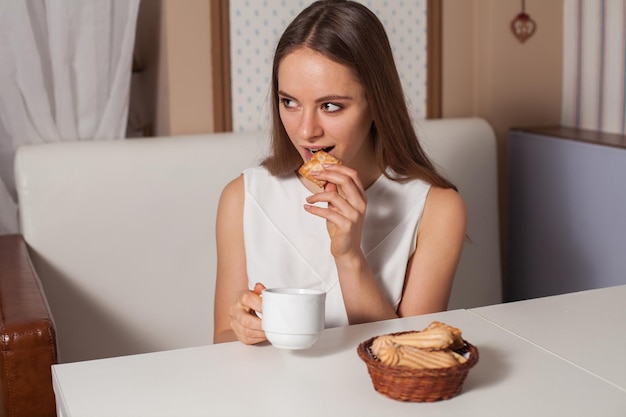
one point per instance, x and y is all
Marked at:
(65, 68)
(594, 58)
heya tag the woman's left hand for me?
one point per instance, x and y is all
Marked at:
(344, 215)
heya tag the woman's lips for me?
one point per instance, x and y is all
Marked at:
(311, 151)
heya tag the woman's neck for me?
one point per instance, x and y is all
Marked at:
(367, 167)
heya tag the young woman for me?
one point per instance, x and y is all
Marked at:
(384, 236)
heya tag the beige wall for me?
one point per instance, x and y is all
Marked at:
(184, 105)
(488, 73)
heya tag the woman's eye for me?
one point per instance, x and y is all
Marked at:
(330, 107)
(287, 102)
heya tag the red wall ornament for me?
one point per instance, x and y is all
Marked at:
(522, 26)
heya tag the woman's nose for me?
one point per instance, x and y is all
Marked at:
(310, 127)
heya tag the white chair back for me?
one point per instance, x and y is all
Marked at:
(122, 233)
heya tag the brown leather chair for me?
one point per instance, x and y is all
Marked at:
(28, 335)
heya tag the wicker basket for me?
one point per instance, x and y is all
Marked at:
(418, 385)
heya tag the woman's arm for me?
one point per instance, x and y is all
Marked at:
(431, 269)
(347, 202)
(234, 316)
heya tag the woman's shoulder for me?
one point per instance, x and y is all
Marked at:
(445, 206)
(440, 198)
(260, 183)
(255, 173)
(233, 190)
(238, 184)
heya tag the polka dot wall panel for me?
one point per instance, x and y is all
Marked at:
(256, 25)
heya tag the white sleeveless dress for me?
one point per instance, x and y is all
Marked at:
(289, 247)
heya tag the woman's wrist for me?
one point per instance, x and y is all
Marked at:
(350, 261)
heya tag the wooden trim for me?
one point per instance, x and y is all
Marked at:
(581, 135)
(434, 46)
(220, 55)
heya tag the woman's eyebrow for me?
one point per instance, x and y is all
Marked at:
(331, 97)
(334, 97)
(282, 93)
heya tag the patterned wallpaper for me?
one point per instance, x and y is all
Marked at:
(256, 25)
(594, 71)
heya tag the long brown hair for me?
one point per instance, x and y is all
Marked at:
(350, 34)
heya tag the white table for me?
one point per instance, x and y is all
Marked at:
(514, 377)
(586, 328)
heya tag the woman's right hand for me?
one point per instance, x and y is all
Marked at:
(345, 214)
(243, 318)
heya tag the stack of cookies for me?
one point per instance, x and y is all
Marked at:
(436, 346)
(424, 366)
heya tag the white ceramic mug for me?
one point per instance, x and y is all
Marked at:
(293, 318)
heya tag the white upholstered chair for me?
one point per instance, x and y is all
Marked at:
(121, 234)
